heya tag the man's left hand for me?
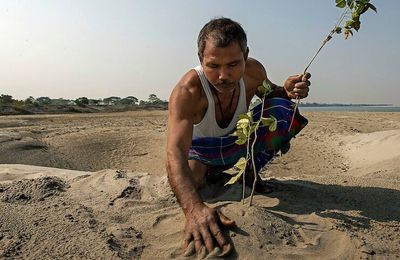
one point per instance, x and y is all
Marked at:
(297, 86)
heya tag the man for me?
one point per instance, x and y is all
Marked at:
(206, 102)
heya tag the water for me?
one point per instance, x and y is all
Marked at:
(351, 109)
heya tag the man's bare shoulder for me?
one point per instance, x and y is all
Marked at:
(188, 97)
(255, 70)
(189, 86)
(254, 74)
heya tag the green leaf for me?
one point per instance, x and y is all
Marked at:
(231, 171)
(250, 115)
(357, 25)
(235, 178)
(267, 87)
(240, 135)
(244, 116)
(347, 33)
(355, 16)
(340, 3)
(349, 24)
(372, 7)
(266, 121)
(273, 125)
(241, 141)
(264, 88)
(239, 166)
(243, 125)
(361, 8)
(242, 138)
(351, 32)
(338, 30)
(241, 163)
(364, 9)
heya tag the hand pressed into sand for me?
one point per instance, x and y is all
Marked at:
(202, 230)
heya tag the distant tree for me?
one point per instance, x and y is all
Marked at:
(134, 99)
(111, 100)
(130, 100)
(29, 101)
(82, 101)
(60, 102)
(94, 101)
(43, 100)
(126, 102)
(153, 99)
(6, 100)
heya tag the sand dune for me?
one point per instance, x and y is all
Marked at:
(367, 149)
(337, 191)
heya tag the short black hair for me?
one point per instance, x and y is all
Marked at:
(222, 31)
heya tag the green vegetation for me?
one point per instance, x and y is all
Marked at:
(246, 131)
(43, 105)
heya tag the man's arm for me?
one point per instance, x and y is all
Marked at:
(201, 225)
(296, 86)
(180, 129)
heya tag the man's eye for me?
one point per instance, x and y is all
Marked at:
(232, 64)
(212, 66)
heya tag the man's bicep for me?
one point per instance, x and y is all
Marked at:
(180, 122)
(179, 134)
(258, 74)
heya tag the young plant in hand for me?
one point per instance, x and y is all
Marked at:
(246, 128)
(348, 20)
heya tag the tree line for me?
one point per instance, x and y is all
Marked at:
(12, 105)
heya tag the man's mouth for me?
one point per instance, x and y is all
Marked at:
(225, 85)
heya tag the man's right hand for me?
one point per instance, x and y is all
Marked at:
(202, 229)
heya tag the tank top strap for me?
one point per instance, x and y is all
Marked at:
(205, 85)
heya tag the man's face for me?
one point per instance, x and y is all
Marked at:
(223, 67)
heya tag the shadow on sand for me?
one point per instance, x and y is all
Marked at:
(327, 200)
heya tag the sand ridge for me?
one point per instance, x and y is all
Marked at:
(112, 199)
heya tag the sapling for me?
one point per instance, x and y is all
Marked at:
(353, 9)
(246, 127)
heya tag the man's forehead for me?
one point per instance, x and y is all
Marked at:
(212, 51)
(211, 43)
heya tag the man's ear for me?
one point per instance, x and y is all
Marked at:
(246, 55)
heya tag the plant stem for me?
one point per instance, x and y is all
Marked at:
(340, 20)
(254, 165)
(327, 38)
(252, 151)
(244, 173)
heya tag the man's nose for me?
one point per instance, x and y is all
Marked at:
(224, 74)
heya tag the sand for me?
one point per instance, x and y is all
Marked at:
(93, 186)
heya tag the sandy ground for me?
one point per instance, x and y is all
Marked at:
(94, 186)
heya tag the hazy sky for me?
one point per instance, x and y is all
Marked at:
(120, 48)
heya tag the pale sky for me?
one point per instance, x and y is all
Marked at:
(99, 48)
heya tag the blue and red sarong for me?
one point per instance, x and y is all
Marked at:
(223, 151)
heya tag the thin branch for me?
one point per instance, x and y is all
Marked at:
(244, 173)
(340, 20)
(252, 152)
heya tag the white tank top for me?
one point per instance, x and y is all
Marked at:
(208, 126)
